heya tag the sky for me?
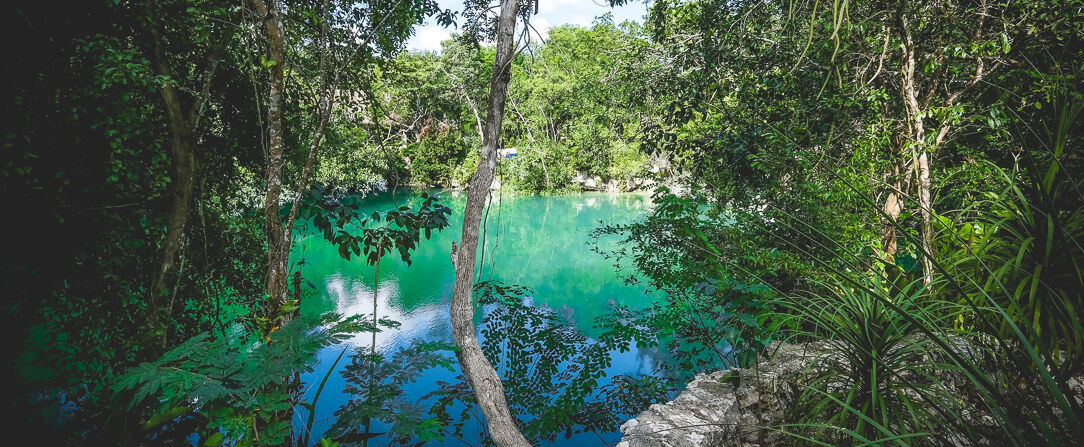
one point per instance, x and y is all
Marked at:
(550, 13)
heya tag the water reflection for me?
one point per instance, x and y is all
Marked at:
(569, 378)
(561, 384)
(355, 297)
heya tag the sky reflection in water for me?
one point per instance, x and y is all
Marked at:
(540, 242)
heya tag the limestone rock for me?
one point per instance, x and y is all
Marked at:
(724, 407)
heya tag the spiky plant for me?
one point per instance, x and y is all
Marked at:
(1026, 253)
(876, 378)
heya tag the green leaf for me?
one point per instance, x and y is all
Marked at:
(165, 416)
(215, 440)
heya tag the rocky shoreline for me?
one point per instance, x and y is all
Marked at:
(724, 407)
(728, 407)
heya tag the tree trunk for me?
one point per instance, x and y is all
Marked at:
(925, 206)
(892, 208)
(483, 378)
(181, 184)
(898, 181)
(278, 242)
(181, 127)
(915, 141)
(279, 231)
(916, 112)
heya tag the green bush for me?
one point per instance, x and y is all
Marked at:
(540, 167)
(234, 386)
(434, 157)
(1026, 255)
(628, 163)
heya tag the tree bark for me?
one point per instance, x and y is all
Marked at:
(181, 185)
(278, 242)
(182, 128)
(925, 206)
(279, 231)
(892, 208)
(916, 142)
(483, 379)
(915, 113)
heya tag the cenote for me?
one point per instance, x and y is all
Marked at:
(547, 349)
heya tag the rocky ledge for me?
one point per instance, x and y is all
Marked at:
(724, 407)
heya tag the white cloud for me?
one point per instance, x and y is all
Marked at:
(428, 38)
(541, 25)
(548, 6)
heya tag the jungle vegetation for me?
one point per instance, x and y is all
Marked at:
(898, 180)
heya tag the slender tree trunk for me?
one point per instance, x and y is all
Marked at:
(478, 370)
(462, 87)
(925, 205)
(917, 102)
(279, 231)
(278, 243)
(892, 208)
(898, 181)
(477, 118)
(181, 185)
(915, 141)
(181, 125)
(915, 111)
(278, 235)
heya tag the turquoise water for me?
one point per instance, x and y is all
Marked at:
(541, 242)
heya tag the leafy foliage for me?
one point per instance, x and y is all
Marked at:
(376, 383)
(573, 114)
(876, 373)
(234, 385)
(1026, 252)
(717, 307)
(400, 229)
(782, 125)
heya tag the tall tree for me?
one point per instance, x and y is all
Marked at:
(182, 142)
(476, 368)
(347, 36)
(956, 53)
(277, 240)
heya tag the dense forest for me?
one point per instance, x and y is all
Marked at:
(896, 184)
